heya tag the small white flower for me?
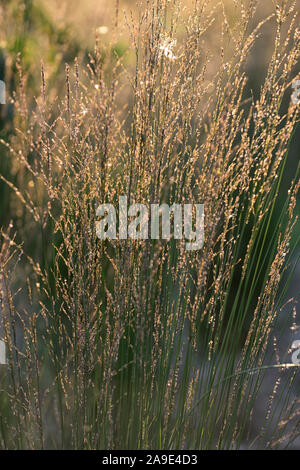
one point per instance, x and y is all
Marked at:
(102, 30)
(166, 48)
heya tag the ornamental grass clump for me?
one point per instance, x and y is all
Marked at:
(142, 344)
